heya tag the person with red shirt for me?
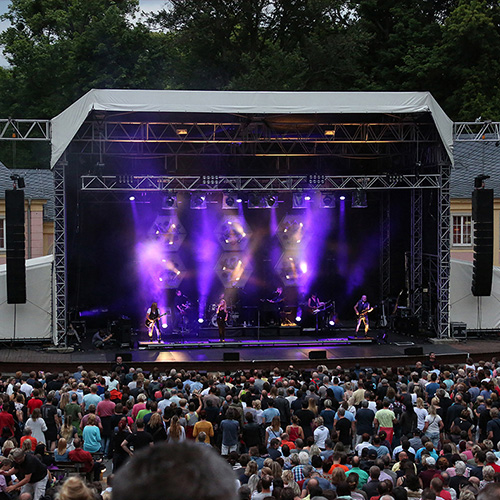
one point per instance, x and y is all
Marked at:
(79, 455)
(27, 436)
(6, 419)
(34, 402)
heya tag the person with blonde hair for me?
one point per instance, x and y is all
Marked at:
(433, 425)
(421, 413)
(74, 489)
(61, 452)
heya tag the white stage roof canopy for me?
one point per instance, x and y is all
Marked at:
(66, 124)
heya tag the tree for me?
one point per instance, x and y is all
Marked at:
(60, 49)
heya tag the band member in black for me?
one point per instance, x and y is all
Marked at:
(277, 300)
(221, 319)
(316, 310)
(100, 338)
(152, 321)
(181, 306)
(362, 308)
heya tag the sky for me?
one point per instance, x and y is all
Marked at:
(145, 5)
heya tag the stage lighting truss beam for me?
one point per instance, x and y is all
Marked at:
(243, 138)
(60, 250)
(385, 243)
(444, 242)
(479, 131)
(24, 130)
(257, 183)
(416, 251)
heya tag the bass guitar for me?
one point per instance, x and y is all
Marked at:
(364, 312)
(150, 322)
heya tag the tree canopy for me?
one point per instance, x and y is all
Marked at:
(59, 49)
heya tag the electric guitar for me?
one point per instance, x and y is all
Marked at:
(150, 322)
(383, 319)
(365, 312)
(327, 305)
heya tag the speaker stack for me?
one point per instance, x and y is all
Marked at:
(16, 266)
(482, 215)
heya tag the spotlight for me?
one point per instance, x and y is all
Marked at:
(271, 200)
(255, 201)
(164, 325)
(331, 322)
(229, 201)
(131, 198)
(200, 320)
(307, 197)
(198, 201)
(316, 179)
(298, 200)
(298, 319)
(327, 200)
(169, 202)
(359, 199)
(239, 199)
(342, 198)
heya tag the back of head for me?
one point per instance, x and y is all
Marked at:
(199, 469)
(75, 489)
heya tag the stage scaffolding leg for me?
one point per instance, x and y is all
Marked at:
(416, 249)
(444, 243)
(60, 249)
(385, 245)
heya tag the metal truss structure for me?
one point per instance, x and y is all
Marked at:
(60, 248)
(385, 245)
(258, 137)
(25, 130)
(416, 248)
(256, 183)
(249, 137)
(481, 131)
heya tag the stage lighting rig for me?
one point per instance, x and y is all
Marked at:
(169, 202)
(230, 201)
(316, 180)
(271, 200)
(359, 199)
(198, 201)
(328, 200)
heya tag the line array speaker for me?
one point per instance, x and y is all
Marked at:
(482, 214)
(16, 265)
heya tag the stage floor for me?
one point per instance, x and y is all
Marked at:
(302, 351)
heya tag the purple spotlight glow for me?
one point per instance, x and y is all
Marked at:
(131, 198)
(342, 198)
(164, 325)
(298, 319)
(200, 320)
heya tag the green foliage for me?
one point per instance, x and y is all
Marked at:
(60, 49)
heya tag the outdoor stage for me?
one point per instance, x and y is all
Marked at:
(303, 351)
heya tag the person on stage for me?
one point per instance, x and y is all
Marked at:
(221, 319)
(152, 321)
(181, 306)
(277, 300)
(316, 310)
(99, 339)
(362, 308)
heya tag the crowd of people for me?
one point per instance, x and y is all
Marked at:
(422, 431)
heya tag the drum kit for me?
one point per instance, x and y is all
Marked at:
(233, 315)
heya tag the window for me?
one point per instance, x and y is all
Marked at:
(462, 230)
(2, 234)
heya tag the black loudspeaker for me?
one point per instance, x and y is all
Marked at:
(16, 265)
(409, 325)
(482, 214)
(317, 354)
(414, 351)
(231, 356)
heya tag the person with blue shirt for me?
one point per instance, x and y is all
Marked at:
(269, 413)
(91, 435)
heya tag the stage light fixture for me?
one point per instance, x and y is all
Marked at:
(342, 198)
(254, 200)
(327, 200)
(359, 199)
(239, 198)
(164, 325)
(169, 202)
(298, 319)
(271, 200)
(131, 198)
(210, 180)
(181, 131)
(200, 320)
(229, 201)
(198, 201)
(331, 322)
(316, 179)
(298, 200)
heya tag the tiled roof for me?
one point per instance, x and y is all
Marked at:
(473, 159)
(39, 186)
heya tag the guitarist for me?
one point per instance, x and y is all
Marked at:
(152, 321)
(362, 308)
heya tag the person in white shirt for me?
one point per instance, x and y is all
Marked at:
(321, 433)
